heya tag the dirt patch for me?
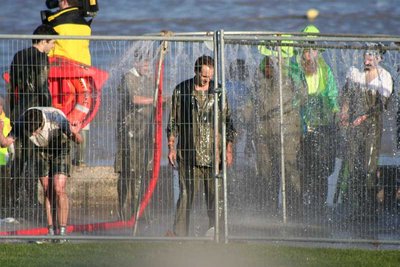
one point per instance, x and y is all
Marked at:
(90, 185)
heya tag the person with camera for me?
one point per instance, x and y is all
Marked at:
(69, 20)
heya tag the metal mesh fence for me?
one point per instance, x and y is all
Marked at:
(305, 168)
(300, 170)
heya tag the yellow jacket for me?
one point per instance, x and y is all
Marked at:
(6, 131)
(70, 21)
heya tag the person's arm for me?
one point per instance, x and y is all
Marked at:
(172, 151)
(42, 84)
(333, 92)
(230, 136)
(387, 84)
(142, 100)
(172, 128)
(346, 96)
(71, 130)
(14, 84)
(5, 141)
(131, 86)
(229, 153)
(75, 134)
(344, 112)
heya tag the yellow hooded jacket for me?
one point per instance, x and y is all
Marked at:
(70, 21)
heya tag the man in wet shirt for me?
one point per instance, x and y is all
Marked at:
(134, 133)
(268, 139)
(191, 123)
(365, 96)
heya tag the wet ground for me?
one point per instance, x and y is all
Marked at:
(93, 199)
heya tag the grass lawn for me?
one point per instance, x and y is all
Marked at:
(191, 254)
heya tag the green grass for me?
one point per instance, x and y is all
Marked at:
(191, 254)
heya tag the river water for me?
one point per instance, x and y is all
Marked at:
(126, 17)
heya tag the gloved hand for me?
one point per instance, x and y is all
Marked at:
(11, 152)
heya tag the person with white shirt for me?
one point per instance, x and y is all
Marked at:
(48, 133)
(365, 97)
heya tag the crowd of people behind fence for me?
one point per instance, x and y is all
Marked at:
(315, 120)
(315, 112)
(316, 116)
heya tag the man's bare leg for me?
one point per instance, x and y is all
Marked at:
(47, 199)
(60, 181)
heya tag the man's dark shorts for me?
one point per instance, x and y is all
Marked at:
(49, 164)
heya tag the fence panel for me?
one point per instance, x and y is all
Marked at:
(327, 191)
(113, 169)
(290, 99)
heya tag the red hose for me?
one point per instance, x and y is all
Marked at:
(157, 147)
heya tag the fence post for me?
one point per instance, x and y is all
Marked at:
(283, 176)
(223, 133)
(216, 125)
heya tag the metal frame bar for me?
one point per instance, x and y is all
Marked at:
(216, 125)
(283, 173)
(228, 36)
(223, 133)
(111, 38)
(319, 240)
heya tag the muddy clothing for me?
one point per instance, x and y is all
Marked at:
(134, 124)
(49, 148)
(28, 81)
(190, 180)
(192, 122)
(268, 144)
(28, 88)
(317, 97)
(363, 141)
(134, 135)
